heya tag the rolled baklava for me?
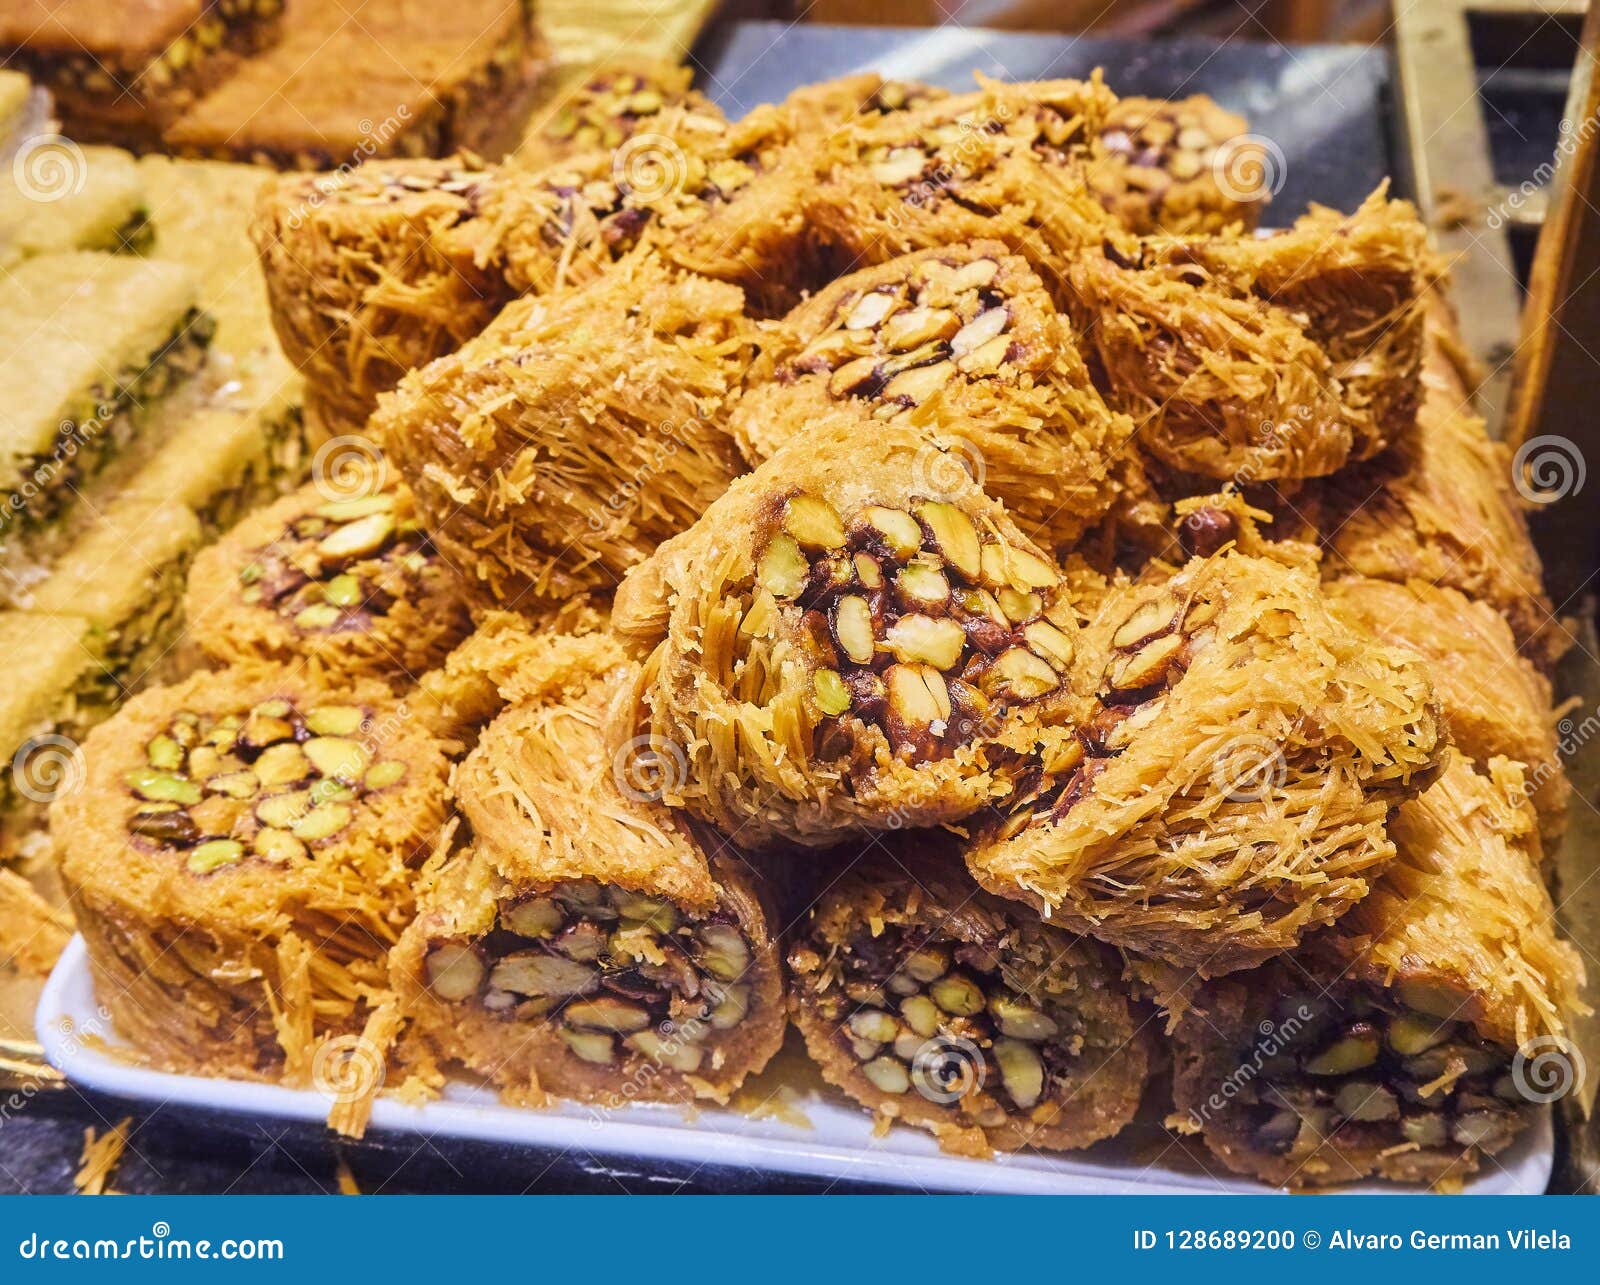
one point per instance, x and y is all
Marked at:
(1417, 1036)
(352, 585)
(1007, 163)
(933, 1003)
(1494, 700)
(607, 106)
(966, 341)
(1230, 789)
(239, 858)
(588, 943)
(1181, 166)
(837, 650)
(1254, 359)
(561, 446)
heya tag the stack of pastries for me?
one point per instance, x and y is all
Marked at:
(916, 566)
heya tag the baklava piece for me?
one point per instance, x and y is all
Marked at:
(346, 86)
(239, 858)
(1007, 163)
(837, 650)
(1229, 791)
(1415, 1038)
(607, 106)
(966, 342)
(821, 109)
(353, 586)
(1182, 167)
(1495, 701)
(1257, 359)
(588, 943)
(932, 1003)
(121, 73)
(561, 446)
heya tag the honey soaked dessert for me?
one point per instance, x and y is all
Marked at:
(1006, 163)
(1181, 166)
(934, 1004)
(239, 860)
(561, 446)
(609, 105)
(1400, 1042)
(966, 341)
(353, 585)
(1230, 790)
(1252, 359)
(588, 943)
(837, 649)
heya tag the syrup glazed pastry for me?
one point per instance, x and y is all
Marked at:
(608, 106)
(1255, 359)
(821, 109)
(1441, 507)
(353, 585)
(966, 342)
(561, 446)
(238, 860)
(374, 270)
(588, 944)
(840, 651)
(1390, 1044)
(1495, 702)
(1231, 789)
(1180, 167)
(1006, 163)
(930, 1002)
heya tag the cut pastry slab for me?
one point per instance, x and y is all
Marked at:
(1245, 752)
(932, 1003)
(966, 341)
(838, 650)
(1400, 1043)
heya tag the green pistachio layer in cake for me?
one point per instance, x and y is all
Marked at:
(99, 205)
(88, 343)
(121, 71)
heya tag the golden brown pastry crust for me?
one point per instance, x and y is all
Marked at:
(561, 446)
(351, 585)
(1495, 702)
(1458, 939)
(932, 1003)
(608, 105)
(835, 648)
(964, 341)
(1230, 791)
(589, 944)
(248, 915)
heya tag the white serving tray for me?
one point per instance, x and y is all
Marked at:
(840, 1144)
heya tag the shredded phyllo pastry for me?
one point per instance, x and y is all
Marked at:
(917, 565)
(1390, 1045)
(935, 1004)
(855, 636)
(238, 858)
(1231, 787)
(588, 942)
